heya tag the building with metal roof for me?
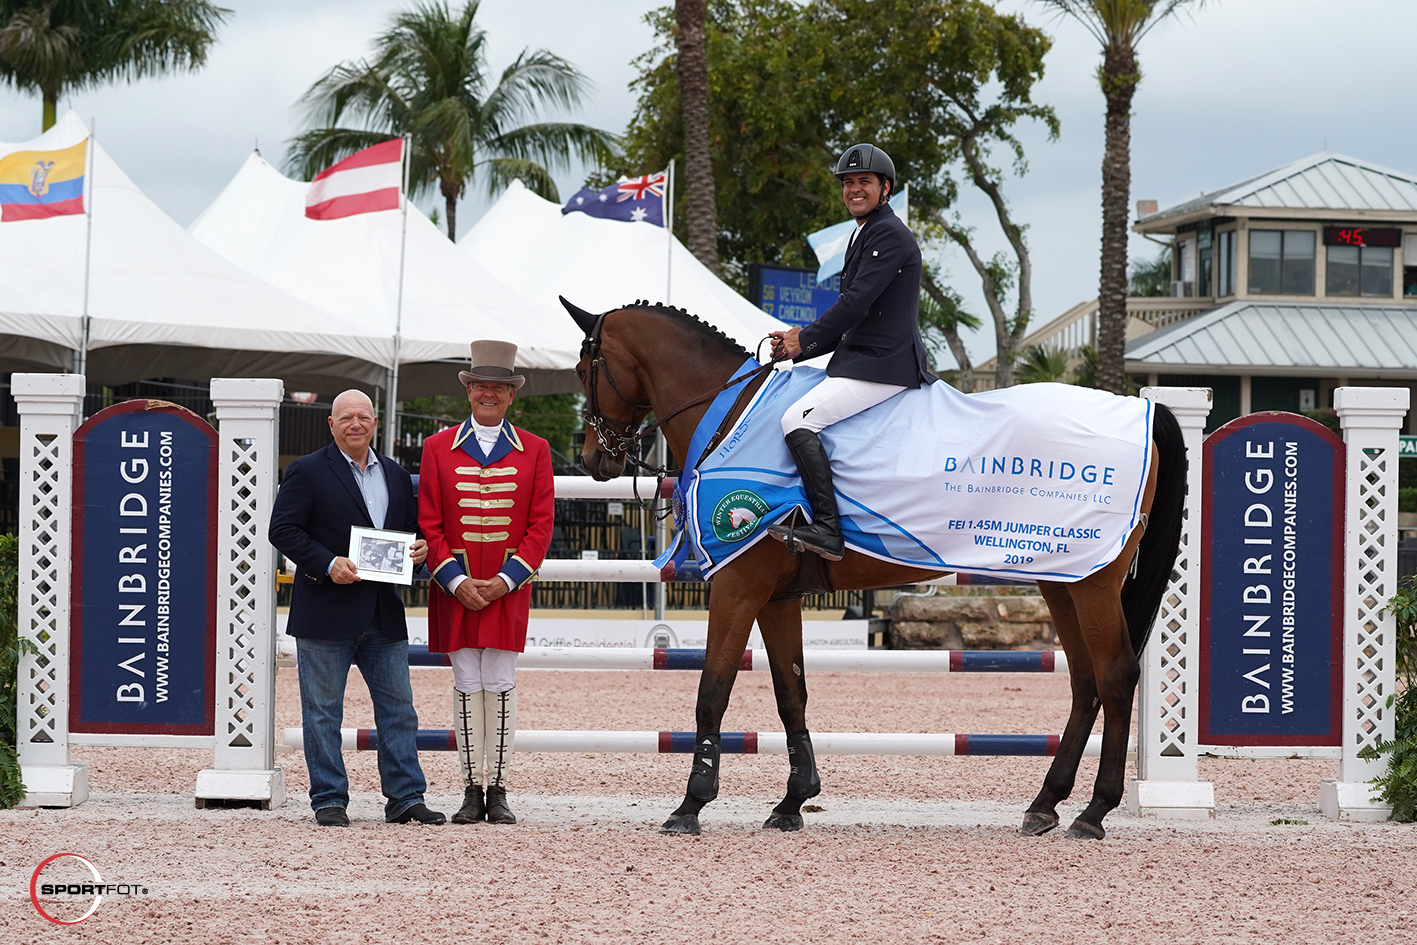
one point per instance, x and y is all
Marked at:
(1283, 287)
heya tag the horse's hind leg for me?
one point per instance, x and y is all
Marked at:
(731, 612)
(1042, 814)
(1116, 670)
(781, 624)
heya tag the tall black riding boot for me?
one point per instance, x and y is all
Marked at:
(823, 536)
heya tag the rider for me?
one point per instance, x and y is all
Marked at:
(874, 328)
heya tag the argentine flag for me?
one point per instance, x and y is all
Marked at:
(830, 244)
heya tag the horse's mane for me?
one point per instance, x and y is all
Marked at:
(692, 322)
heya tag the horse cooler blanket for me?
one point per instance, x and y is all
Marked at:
(1039, 481)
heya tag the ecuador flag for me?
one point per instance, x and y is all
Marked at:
(38, 184)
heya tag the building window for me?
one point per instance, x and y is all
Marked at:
(1359, 270)
(1225, 264)
(1282, 262)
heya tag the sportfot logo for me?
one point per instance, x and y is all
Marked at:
(737, 515)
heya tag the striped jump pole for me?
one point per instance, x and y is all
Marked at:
(734, 743)
(817, 661)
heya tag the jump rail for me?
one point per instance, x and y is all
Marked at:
(734, 743)
(817, 661)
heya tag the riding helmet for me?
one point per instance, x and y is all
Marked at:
(867, 157)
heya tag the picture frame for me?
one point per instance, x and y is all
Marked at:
(382, 555)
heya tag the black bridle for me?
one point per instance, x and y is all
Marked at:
(620, 438)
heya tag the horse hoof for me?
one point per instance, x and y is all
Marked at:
(784, 822)
(1082, 830)
(1037, 823)
(681, 824)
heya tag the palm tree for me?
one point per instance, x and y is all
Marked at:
(429, 80)
(1118, 25)
(64, 45)
(1038, 365)
(701, 212)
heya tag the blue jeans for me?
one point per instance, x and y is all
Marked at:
(324, 669)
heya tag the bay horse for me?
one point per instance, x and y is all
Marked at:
(643, 358)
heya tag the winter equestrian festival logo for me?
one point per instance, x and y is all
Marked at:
(737, 515)
(67, 888)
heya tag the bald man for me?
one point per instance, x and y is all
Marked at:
(342, 621)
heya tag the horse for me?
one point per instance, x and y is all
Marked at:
(645, 358)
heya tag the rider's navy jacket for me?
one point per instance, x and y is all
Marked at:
(874, 327)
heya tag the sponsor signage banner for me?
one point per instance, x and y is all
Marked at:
(1271, 622)
(144, 572)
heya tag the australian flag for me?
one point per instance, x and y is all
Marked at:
(638, 200)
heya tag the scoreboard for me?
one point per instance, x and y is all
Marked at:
(791, 295)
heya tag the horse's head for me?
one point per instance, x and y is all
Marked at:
(616, 401)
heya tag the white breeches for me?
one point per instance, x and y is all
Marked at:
(835, 398)
(483, 670)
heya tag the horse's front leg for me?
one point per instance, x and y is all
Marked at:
(781, 624)
(732, 606)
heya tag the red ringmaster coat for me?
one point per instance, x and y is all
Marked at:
(484, 513)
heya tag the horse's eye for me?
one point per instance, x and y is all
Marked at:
(580, 373)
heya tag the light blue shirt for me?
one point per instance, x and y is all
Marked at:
(372, 486)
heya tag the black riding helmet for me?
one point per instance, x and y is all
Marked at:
(867, 157)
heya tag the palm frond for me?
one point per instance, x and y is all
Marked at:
(553, 143)
(502, 171)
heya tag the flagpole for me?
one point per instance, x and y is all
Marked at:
(661, 531)
(88, 249)
(391, 420)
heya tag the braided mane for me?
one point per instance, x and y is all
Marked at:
(698, 325)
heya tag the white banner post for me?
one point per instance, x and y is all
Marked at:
(1167, 783)
(1371, 418)
(248, 421)
(49, 407)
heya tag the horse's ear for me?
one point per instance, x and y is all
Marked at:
(584, 319)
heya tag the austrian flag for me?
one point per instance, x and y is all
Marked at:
(364, 182)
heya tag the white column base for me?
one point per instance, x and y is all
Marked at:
(55, 785)
(1171, 800)
(265, 787)
(1351, 801)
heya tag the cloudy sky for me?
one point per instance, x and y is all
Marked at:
(1235, 89)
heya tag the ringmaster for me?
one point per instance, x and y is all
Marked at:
(486, 503)
(873, 330)
(341, 620)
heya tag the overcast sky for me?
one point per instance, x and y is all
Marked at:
(1235, 89)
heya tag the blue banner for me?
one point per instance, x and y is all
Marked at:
(1271, 627)
(791, 295)
(143, 624)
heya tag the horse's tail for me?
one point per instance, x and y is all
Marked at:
(1141, 595)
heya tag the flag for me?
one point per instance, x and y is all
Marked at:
(830, 244)
(39, 184)
(364, 182)
(637, 200)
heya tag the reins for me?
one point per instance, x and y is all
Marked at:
(620, 437)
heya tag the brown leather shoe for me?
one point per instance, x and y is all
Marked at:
(473, 809)
(497, 810)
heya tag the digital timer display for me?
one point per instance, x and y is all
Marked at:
(1361, 236)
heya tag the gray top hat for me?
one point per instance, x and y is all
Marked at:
(493, 361)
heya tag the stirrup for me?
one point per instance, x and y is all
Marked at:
(788, 535)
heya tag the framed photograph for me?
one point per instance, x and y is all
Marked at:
(381, 555)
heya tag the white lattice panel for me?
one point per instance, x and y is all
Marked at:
(1371, 419)
(48, 406)
(248, 412)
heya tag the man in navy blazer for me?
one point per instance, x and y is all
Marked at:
(873, 330)
(341, 620)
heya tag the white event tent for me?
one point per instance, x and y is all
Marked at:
(160, 303)
(349, 267)
(602, 264)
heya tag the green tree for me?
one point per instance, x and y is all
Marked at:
(1151, 279)
(941, 85)
(1118, 25)
(1038, 365)
(939, 326)
(768, 142)
(12, 645)
(429, 80)
(61, 46)
(554, 417)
